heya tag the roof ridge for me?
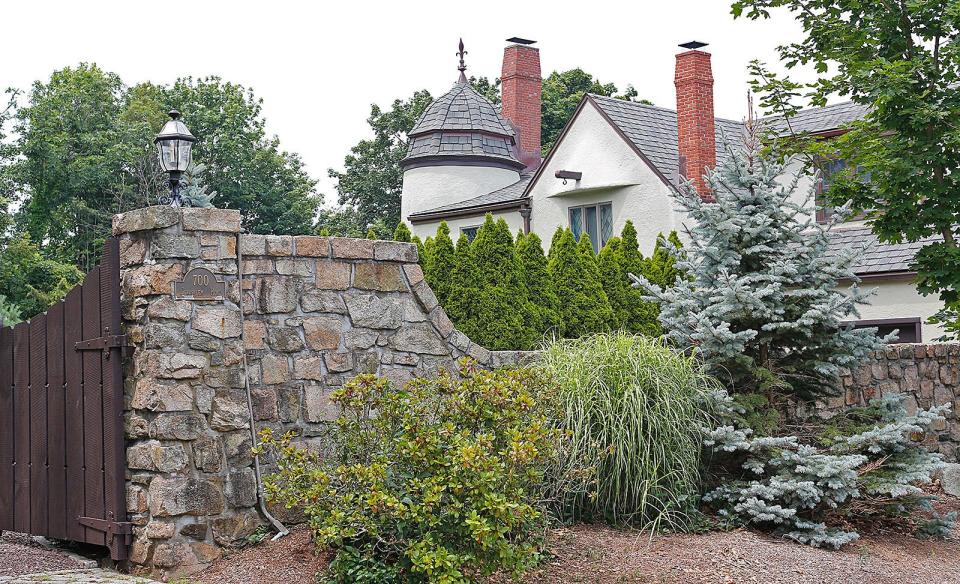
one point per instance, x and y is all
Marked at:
(637, 104)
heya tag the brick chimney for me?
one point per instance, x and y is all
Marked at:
(520, 86)
(696, 139)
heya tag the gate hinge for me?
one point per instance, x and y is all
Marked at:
(111, 528)
(104, 343)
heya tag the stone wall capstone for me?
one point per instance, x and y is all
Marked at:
(305, 313)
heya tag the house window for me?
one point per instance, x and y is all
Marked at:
(908, 328)
(470, 232)
(828, 170)
(594, 220)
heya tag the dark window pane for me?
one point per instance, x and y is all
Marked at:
(606, 224)
(576, 222)
(590, 221)
(470, 232)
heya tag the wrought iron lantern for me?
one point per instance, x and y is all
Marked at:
(175, 146)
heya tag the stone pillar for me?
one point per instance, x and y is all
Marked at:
(190, 485)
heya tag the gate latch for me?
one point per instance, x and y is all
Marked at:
(104, 343)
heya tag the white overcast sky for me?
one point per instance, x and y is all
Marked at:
(319, 65)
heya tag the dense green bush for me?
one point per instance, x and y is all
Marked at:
(402, 233)
(499, 311)
(437, 481)
(863, 464)
(439, 263)
(634, 410)
(544, 317)
(584, 308)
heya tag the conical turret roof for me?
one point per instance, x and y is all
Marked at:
(462, 127)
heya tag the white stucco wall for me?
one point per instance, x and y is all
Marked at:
(898, 298)
(424, 230)
(612, 172)
(428, 187)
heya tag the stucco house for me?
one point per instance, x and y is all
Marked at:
(614, 161)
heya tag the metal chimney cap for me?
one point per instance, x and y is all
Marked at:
(520, 41)
(693, 45)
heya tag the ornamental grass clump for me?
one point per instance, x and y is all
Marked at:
(436, 481)
(634, 411)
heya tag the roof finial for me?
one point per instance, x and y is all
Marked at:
(463, 66)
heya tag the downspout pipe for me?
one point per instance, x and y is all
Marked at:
(261, 502)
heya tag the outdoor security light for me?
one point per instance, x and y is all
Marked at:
(175, 145)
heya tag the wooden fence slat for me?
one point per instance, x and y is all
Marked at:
(73, 364)
(113, 434)
(21, 422)
(56, 446)
(93, 475)
(38, 425)
(6, 429)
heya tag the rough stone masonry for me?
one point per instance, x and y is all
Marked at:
(315, 311)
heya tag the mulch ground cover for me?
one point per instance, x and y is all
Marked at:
(885, 554)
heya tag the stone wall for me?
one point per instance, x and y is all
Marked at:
(304, 313)
(927, 374)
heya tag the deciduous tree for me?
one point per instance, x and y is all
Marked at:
(902, 60)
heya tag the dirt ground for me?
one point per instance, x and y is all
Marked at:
(19, 555)
(597, 554)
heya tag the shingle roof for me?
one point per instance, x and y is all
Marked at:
(819, 119)
(507, 194)
(462, 123)
(461, 108)
(653, 130)
(879, 257)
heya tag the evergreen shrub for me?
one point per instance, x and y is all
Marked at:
(437, 481)
(863, 465)
(633, 410)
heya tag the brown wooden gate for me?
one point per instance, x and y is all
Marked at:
(62, 452)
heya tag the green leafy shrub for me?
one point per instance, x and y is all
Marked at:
(584, 307)
(402, 233)
(439, 263)
(634, 410)
(865, 466)
(437, 481)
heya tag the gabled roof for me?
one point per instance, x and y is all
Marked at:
(653, 130)
(508, 197)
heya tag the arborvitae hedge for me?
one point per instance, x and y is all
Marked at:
(499, 312)
(439, 265)
(615, 282)
(463, 289)
(631, 312)
(421, 249)
(584, 308)
(402, 232)
(507, 294)
(544, 317)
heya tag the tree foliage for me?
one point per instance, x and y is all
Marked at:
(31, 282)
(84, 146)
(499, 313)
(867, 459)
(562, 92)
(544, 309)
(371, 180)
(760, 298)
(402, 232)
(902, 59)
(439, 265)
(584, 308)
